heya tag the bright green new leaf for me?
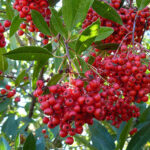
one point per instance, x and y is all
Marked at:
(4, 144)
(87, 37)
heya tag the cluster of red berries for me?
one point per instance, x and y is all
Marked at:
(9, 93)
(128, 17)
(24, 7)
(108, 92)
(7, 24)
(133, 131)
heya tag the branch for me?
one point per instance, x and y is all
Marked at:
(134, 24)
(34, 99)
(19, 40)
(144, 31)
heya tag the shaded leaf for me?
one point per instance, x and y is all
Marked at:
(15, 25)
(101, 139)
(140, 138)
(29, 53)
(39, 22)
(54, 80)
(83, 64)
(106, 11)
(30, 143)
(20, 78)
(3, 60)
(108, 46)
(124, 134)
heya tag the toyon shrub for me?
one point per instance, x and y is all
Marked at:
(78, 73)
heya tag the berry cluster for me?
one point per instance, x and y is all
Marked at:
(24, 7)
(128, 17)
(7, 24)
(9, 93)
(108, 92)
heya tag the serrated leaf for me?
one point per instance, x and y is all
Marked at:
(57, 23)
(20, 78)
(87, 37)
(104, 32)
(10, 127)
(54, 80)
(39, 22)
(108, 46)
(15, 25)
(124, 134)
(29, 53)
(30, 143)
(75, 11)
(100, 137)
(4, 144)
(83, 64)
(140, 138)
(106, 11)
(3, 60)
(142, 3)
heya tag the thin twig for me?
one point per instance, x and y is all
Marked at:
(144, 30)
(19, 40)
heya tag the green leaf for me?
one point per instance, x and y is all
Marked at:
(145, 116)
(52, 29)
(30, 143)
(10, 127)
(57, 23)
(91, 60)
(140, 138)
(20, 78)
(54, 80)
(75, 11)
(87, 37)
(83, 64)
(82, 140)
(39, 22)
(106, 11)
(17, 142)
(9, 10)
(48, 47)
(101, 139)
(142, 3)
(124, 134)
(29, 53)
(15, 25)
(3, 60)
(104, 32)
(108, 46)
(4, 144)
(4, 105)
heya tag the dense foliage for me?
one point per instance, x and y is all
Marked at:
(75, 76)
